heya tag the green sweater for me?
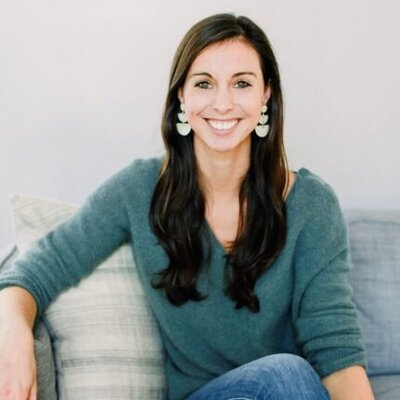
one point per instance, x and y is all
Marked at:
(305, 297)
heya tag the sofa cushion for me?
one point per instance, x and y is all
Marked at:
(46, 379)
(386, 387)
(7, 255)
(106, 340)
(43, 352)
(375, 276)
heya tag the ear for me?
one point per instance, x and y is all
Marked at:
(267, 93)
(180, 95)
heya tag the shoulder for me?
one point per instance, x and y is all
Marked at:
(142, 172)
(139, 176)
(312, 195)
(143, 168)
(317, 226)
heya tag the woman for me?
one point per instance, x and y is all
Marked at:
(243, 262)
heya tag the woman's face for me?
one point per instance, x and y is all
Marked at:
(223, 94)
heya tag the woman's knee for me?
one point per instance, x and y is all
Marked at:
(280, 376)
(292, 376)
(291, 362)
(286, 376)
(288, 367)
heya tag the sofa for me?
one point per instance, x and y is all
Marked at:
(99, 339)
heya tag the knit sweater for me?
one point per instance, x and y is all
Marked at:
(305, 298)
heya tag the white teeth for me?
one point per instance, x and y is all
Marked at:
(222, 125)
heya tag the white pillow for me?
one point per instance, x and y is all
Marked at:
(105, 338)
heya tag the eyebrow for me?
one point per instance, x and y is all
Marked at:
(233, 76)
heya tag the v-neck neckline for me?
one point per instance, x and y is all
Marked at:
(288, 200)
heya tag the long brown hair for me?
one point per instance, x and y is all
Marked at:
(178, 205)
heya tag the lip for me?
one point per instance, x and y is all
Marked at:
(225, 131)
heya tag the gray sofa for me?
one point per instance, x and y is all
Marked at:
(375, 252)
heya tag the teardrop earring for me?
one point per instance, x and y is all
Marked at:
(183, 126)
(262, 127)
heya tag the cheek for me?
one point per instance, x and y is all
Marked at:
(195, 108)
(256, 109)
(250, 102)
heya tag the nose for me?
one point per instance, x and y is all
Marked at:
(223, 101)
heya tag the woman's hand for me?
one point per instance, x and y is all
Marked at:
(17, 363)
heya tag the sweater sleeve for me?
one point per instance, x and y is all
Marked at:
(325, 316)
(72, 250)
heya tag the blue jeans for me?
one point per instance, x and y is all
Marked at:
(275, 377)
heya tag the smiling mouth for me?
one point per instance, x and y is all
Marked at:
(222, 125)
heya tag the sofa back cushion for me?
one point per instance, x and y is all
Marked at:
(375, 252)
(105, 339)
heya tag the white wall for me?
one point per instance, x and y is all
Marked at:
(82, 85)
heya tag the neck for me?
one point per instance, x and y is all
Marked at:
(221, 173)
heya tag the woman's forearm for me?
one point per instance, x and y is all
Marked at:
(349, 384)
(17, 307)
(17, 355)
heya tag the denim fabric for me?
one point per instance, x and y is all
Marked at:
(276, 377)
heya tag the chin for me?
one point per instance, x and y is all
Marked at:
(227, 147)
(232, 142)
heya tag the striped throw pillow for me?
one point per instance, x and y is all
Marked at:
(105, 339)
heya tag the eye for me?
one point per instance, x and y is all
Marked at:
(202, 85)
(242, 84)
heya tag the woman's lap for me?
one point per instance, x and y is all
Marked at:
(276, 377)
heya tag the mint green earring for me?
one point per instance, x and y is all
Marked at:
(183, 126)
(262, 127)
